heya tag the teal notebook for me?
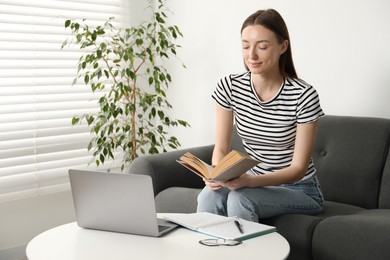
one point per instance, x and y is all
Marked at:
(219, 226)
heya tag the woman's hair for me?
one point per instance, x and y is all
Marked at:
(272, 20)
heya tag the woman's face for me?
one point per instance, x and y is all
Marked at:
(261, 50)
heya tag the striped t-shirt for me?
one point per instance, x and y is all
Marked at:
(268, 128)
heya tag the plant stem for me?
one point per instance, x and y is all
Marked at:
(133, 126)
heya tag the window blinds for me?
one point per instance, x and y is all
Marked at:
(38, 144)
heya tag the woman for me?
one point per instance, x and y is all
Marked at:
(276, 115)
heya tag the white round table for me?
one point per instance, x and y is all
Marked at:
(70, 242)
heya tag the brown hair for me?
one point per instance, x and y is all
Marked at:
(273, 21)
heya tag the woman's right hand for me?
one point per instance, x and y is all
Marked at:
(212, 185)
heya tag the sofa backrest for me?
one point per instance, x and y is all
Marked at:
(350, 156)
(384, 194)
(352, 159)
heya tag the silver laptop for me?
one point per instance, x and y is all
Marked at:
(116, 202)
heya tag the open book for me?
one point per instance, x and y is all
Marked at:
(219, 226)
(231, 166)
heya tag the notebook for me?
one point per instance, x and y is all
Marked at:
(116, 202)
(220, 226)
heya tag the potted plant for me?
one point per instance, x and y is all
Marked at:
(127, 66)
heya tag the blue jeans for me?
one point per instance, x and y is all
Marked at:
(253, 204)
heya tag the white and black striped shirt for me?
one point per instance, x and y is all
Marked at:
(268, 128)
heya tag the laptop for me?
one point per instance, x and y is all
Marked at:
(116, 202)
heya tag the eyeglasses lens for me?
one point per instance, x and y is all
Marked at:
(219, 242)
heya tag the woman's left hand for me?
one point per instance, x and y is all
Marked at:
(237, 183)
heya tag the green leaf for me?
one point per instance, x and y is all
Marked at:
(161, 114)
(183, 123)
(153, 150)
(153, 112)
(139, 41)
(90, 120)
(163, 54)
(111, 154)
(90, 146)
(67, 23)
(158, 18)
(103, 46)
(75, 120)
(86, 79)
(64, 44)
(162, 77)
(130, 73)
(178, 31)
(74, 81)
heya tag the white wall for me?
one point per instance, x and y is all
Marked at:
(340, 47)
(22, 220)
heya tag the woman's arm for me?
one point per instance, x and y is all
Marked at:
(223, 134)
(224, 126)
(304, 142)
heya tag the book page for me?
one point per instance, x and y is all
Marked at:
(194, 221)
(229, 230)
(231, 166)
(196, 164)
(219, 226)
(230, 160)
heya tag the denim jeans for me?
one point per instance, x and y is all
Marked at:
(252, 204)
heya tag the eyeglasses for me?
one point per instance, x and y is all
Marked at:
(219, 242)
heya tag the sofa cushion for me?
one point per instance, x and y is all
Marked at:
(364, 235)
(336, 208)
(349, 156)
(298, 229)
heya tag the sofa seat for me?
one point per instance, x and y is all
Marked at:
(353, 236)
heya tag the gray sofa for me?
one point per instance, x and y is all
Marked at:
(353, 165)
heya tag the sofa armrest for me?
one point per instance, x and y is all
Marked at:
(166, 172)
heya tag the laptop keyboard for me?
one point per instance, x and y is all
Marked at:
(162, 228)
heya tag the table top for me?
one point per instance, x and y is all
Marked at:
(71, 242)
